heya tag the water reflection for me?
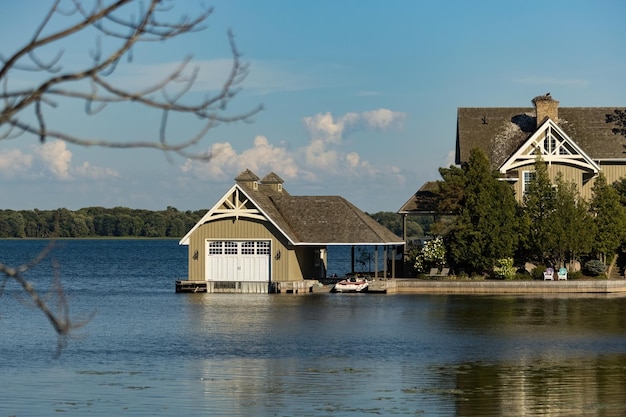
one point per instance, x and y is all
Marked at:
(411, 355)
(576, 387)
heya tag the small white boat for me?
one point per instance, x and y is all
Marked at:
(351, 284)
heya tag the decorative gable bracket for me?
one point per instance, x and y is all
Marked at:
(235, 205)
(554, 146)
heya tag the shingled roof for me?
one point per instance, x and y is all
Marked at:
(499, 132)
(425, 200)
(303, 220)
(327, 220)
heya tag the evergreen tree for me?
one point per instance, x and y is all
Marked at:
(539, 211)
(572, 225)
(486, 227)
(620, 187)
(609, 218)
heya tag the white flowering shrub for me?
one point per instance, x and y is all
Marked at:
(431, 255)
(504, 268)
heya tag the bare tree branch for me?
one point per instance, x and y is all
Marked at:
(124, 25)
(58, 316)
(115, 20)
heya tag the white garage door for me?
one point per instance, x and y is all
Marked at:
(230, 260)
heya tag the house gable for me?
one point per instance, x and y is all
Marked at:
(235, 204)
(554, 146)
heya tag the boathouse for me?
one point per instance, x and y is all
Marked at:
(258, 238)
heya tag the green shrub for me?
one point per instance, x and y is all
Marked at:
(594, 267)
(574, 275)
(538, 272)
(504, 269)
(431, 255)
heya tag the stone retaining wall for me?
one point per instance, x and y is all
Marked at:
(415, 286)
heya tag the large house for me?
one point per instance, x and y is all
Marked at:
(579, 142)
(258, 236)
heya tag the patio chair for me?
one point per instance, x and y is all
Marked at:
(548, 274)
(562, 274)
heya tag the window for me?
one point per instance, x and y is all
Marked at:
(263, 248)
(549, 145)
(528, 177)
(230, 248)
(215, 248)
(247, 248)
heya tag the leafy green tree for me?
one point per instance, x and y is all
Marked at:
(451, 189)
(486, 228)
(539, 210)
(12, 224)
(620, 187)
(572, 225)
(393, 222)
(619, 119)
(609, 218)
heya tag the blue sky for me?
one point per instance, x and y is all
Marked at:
(360, 97)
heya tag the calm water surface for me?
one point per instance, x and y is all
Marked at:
(150, 352)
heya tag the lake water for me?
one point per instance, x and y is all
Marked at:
(148, 351)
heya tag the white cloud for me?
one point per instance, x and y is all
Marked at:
(383, 118)
(397, 173)
(86, 170)
(327, 133)
(55, 157)
(261, 158)
(450, 158)
(52, 158)
(353, 159)
(324, 153)
(13, 162)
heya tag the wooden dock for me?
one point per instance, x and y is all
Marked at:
(247, 287)
(413, 286)
(191, 286)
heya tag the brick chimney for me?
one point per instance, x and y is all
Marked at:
(546, 106)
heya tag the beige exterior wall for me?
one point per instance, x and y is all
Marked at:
(241, 229)
(612, 172)
(293, 264)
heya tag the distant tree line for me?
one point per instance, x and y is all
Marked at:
(97, 222)
(127, 222)
(393, 222)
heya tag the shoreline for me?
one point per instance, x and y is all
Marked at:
(417, 286)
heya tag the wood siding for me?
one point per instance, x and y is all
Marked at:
(285, 267)
(612, 172)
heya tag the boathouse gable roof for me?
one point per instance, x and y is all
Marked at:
(302, 220)
(332, 220)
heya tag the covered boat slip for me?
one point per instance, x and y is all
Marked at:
(259, 238)
(245, 267)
